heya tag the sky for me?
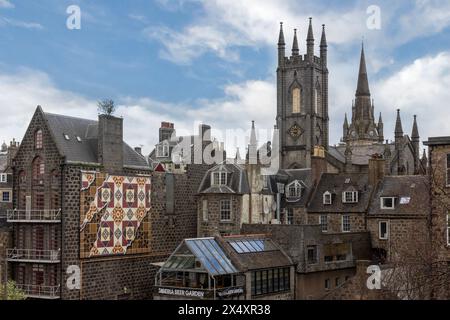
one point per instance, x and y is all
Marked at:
(214, 62)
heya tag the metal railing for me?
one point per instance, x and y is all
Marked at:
(23, 255)
(48, 216)
(40, 292)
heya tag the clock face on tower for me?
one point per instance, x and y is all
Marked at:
(295, 131)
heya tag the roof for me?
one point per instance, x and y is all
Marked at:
(336, 184)
(411, 193)
(360, 153)
(207, 251)
(3, 161)
(257, 252)
(436, 141)
(237, 180)
(84, 149)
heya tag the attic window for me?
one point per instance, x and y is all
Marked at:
(350, 196)
(405, 200)
(294, 190)
(79, 139)
(387, 203)
(347, 181)
(327, 198)
(162, 150)
(219, 178)
(66, 136)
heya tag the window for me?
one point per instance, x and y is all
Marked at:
(448, 169)
(270, 281)
(338, 282)
(219, 178)
(6, 196)
(448, 228)
(317, 101)
(38, 139)
(387, 203)
(294, 190)
(205, 210)
(346, 223)
(22, 177)
(350, 197)
(327, 198)
(162, 150)
(79, 139)
(290, 216)
(312, 254)
(225, 210)
(327, 284)
(38, 169)
(3, 178)
(383, 230)
(296, 100)
(323, 220)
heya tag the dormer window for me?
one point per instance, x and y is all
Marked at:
(327, 198)
(350, 197)
(38, 139)
(219, 178)
(388, 203)
(294, 190)
(162, 150)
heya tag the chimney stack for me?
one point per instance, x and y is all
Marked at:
(110, 143)
(318, 164)
(376, 169)
(166, 131)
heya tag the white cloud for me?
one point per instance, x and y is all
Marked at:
(420, 88)
(6, 4)
(20, 24)
(241, 103)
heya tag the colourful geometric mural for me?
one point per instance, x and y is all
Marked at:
(114, 208)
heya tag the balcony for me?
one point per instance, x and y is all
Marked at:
(31, 255)
(40, 292)
(37, 216)
(170, 292)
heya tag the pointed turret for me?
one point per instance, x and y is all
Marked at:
(363, 81)
(238, 155)
(380, 128)
(345, 128)
(281, 46)
(295, 50)
(310, 41)
(323, 47)
(252, 155)
(415, 130)
(398, 126)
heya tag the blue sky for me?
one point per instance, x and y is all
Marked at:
(214, 61)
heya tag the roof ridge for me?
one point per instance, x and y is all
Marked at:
(68, 117)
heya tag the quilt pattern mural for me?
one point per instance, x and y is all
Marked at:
(114, 214)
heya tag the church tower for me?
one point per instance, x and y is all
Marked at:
(302, 100)
(363, 128)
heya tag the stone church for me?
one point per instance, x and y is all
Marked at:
(303, 121)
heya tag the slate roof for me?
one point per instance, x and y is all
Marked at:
(412, 188)
(336, 184)
(237, 180)
(360, 153)
(85, 151)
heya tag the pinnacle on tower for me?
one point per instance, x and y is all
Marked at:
(310, 41)
(398, 125)
(363, 81)
(323, 40)
(281, 42)
(310, 32)
(295, 50)
(415, 130)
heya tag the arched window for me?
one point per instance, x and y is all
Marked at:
(22, 178)
(38, 169)
(38, 139)
(296, 100)
(317, 101)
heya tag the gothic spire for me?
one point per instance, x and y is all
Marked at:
(310, 32)
(415, 130)
(253, 141)
(398, 125)
(281, 42)
(238, 154)
(363, 82)
(295, 50)
(380, 120)
(323, 40)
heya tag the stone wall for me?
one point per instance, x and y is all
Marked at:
(357, 221)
